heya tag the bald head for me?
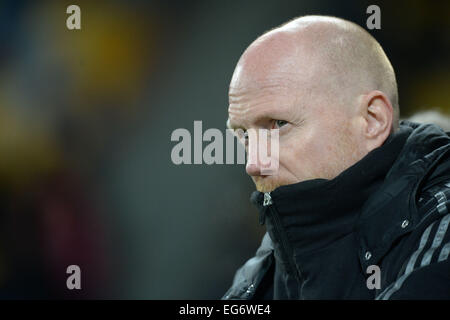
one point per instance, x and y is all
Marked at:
(327, 58)
(328, 87)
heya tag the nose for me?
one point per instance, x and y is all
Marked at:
(253, 166)
(261, 159)
(253, 169)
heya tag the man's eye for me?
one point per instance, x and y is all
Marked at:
(280, 123)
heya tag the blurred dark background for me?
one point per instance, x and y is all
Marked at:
(86, 117)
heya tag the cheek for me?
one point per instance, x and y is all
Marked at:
(319, 151)
(311, 148)
(299, 151)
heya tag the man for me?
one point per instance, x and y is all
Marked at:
(358, 206)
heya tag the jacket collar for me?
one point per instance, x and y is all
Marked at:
(315, 213)
(392, 211)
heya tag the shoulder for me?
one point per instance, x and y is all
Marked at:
(249, 277)
(426, 271)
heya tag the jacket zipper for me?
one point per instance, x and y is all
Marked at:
(268, 202)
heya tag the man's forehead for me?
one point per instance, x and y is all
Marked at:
(265, 85)
(252, 79)
(274, 96)
(255, 77)
(277, 81)
(277, 52)
(248, 112)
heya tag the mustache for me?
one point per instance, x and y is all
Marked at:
(268, 183)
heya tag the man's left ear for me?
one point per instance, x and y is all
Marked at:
(379, 117)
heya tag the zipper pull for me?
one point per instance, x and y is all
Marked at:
(267, 199)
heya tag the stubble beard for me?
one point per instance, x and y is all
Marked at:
(268, 183)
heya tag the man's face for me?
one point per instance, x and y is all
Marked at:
(317, 138)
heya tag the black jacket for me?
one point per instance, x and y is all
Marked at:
(388, 211)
